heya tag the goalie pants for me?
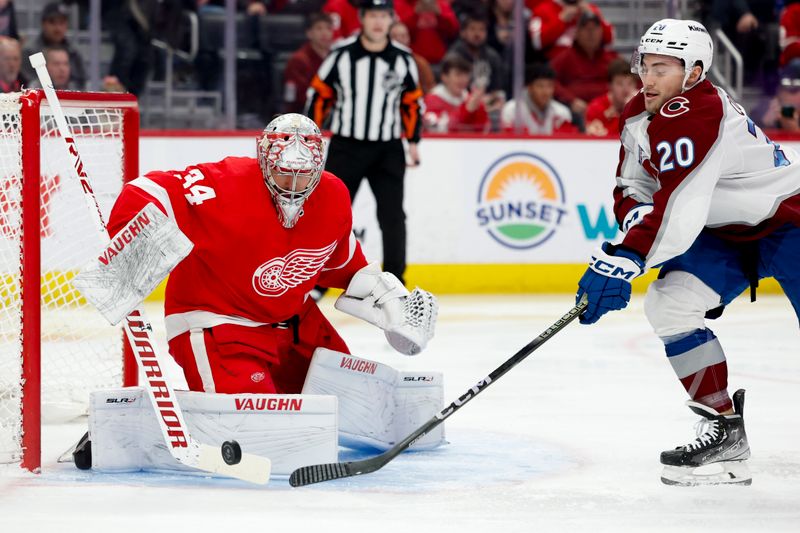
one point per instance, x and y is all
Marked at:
(232, 359)
(697, 285)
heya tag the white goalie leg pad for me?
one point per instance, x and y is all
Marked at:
(292, 430)
(419, 396)
(407, 319)
(378, 405)
(133, 263)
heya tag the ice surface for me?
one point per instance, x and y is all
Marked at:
(567, 441)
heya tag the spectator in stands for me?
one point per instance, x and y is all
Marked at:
(248, 36)
(305, 62)
(296, 7)
(450, 106)
(8, 20)
(553, 25)
(250, 7)
(602, 115)
(256, 8)
(111, 84)
(59, 68)
(465, 7)
(790, 32)
(541, 114)
(399, 33)
(752, 25)
(433, 27)
(488, 70)
(344, 14)
(782, 111)
(54, 34)
(131, 27)
(501, 29)
(501, 20)
(11, 79)
(582, 69)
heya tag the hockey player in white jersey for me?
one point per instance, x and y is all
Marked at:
(703, 193)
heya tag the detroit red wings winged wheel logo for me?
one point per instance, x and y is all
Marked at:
(280, 274)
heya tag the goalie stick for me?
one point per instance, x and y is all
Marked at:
(139, 331)
(307, 475)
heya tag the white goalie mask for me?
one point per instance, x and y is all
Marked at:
(687, 40)
(291, 149)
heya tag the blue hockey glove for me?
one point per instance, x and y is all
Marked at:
(607, 281)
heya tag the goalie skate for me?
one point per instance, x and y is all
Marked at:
(717, 456)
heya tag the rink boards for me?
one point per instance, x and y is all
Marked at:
(496, 214)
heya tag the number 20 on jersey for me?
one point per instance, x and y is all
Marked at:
(682, 153)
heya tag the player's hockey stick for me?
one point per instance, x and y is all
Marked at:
(307, 475)
(228, 460)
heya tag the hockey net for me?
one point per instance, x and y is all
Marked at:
(53, 344)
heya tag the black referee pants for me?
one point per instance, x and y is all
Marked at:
(383, 164)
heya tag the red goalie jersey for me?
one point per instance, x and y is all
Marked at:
(247, 275)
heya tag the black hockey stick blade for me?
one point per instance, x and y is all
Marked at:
(307, 475)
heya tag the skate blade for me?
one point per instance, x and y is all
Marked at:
(724, 473)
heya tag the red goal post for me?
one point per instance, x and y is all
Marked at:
(54, 346)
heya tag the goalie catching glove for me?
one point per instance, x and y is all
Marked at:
(407, 318)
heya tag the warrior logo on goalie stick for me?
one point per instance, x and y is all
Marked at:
(165, 403)
(521, 201)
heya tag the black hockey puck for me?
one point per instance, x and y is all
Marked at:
(231, 452)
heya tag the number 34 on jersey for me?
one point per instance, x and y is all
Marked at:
(197, 193)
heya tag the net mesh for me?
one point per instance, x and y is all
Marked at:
(10, 277)
(80, 352)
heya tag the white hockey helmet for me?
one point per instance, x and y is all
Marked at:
(685, 39)
(291, 145)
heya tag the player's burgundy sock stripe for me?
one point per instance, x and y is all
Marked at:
(709, 386)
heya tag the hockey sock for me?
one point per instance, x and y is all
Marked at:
(699, 362)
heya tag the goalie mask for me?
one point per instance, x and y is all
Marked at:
(291, 156)
(686, 40)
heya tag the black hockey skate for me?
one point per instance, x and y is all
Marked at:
(717, 456)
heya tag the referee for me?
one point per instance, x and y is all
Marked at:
(368, 89)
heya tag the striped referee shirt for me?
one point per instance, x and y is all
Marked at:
(369, 96)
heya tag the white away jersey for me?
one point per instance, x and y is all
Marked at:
(701, 162)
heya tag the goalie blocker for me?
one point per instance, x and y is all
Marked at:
(377, 405)
(133, 263)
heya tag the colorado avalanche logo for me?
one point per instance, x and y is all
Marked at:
(677, 106)
(280, 274)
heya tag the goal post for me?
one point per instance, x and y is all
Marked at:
(54, 346)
